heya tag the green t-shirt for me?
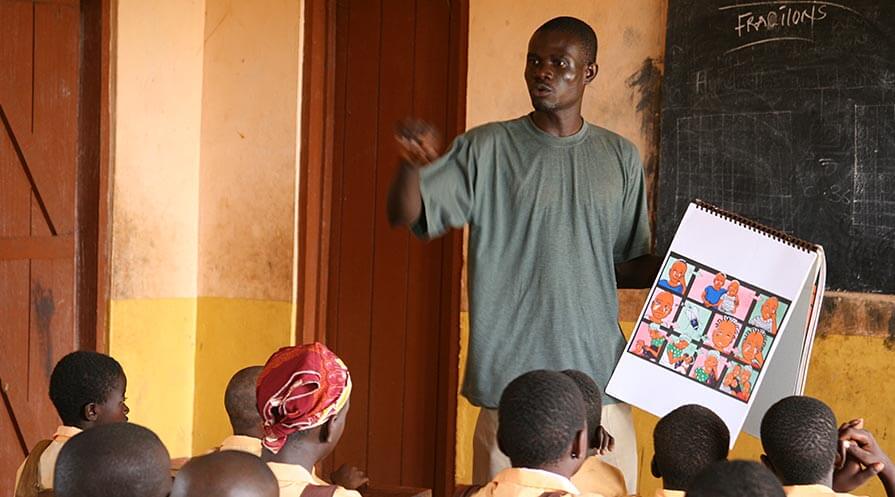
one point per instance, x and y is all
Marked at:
(549, 217)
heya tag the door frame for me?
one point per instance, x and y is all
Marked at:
(315, 229)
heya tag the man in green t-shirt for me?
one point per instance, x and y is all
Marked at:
(557, 217)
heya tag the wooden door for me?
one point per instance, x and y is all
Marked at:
(50, 60)
(391, 302)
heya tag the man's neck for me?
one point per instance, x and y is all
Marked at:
(560, 123)
(298, 455)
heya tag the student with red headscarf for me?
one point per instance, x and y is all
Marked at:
(303, 395)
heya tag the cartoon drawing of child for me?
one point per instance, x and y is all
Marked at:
(675, 282)
(708, 372)
(752, 347)
(730, 301)
(660, 308)
(712, 294)
(767, 320)
(681, 353)
(724, 333)
(739, 382)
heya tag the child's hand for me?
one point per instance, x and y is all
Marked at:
(859, 459)
(349, 477)
(607, 442)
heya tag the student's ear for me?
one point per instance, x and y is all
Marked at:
(654, 468)
(326, 430)
(89, 413)
(579, 445)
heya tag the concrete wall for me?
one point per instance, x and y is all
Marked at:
(204, 191)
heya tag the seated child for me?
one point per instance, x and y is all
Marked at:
(113, 460)
(542, 428)
(303, 397)
(241, 405)
(228, 473)
(802, 443)
(687, 440)
(87, 389)
(735, 479)
(595, 475)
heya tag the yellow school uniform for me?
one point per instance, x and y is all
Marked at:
(293, 479)
(242, 443)
(597, 476)
(812, 491)
(47, 465)
(525, 482)
(661, 492)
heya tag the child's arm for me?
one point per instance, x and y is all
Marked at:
(862, 459)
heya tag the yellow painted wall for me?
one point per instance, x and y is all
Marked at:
(206, 106)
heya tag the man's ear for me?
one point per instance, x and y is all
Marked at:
(89, 412)
(579, 445)
(654, 468)
(590, 72)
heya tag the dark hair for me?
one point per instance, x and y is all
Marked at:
(686, 441)
(112, 460)
(577, 28)
(539, 415)
(225, 473)
(593, 403)
(240, 400)
(736, 479)
(81, 378)
(799, 436)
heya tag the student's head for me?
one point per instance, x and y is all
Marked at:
(87, 389)
(593, 404)
(227, 473)
(542, 423)
(303, 394)
(241, 404)
(735, 479)
(561, 61)
(799, 437)
(113, 460)
(687, 440)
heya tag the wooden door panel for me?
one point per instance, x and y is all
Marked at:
(386, 309)
(41, 52)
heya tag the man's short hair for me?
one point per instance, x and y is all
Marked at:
(799, 437)
(224, 474)
(577, 28)
(736, 479)
(113, 460)
(687, 440)
(593, 403)
(240, 400)
(81, 378)
(539, 415)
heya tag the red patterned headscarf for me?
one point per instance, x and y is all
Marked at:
(300, 388)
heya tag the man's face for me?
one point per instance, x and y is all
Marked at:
(556, 71)
(723, 334)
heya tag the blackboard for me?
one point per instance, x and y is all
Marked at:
(784, 112)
